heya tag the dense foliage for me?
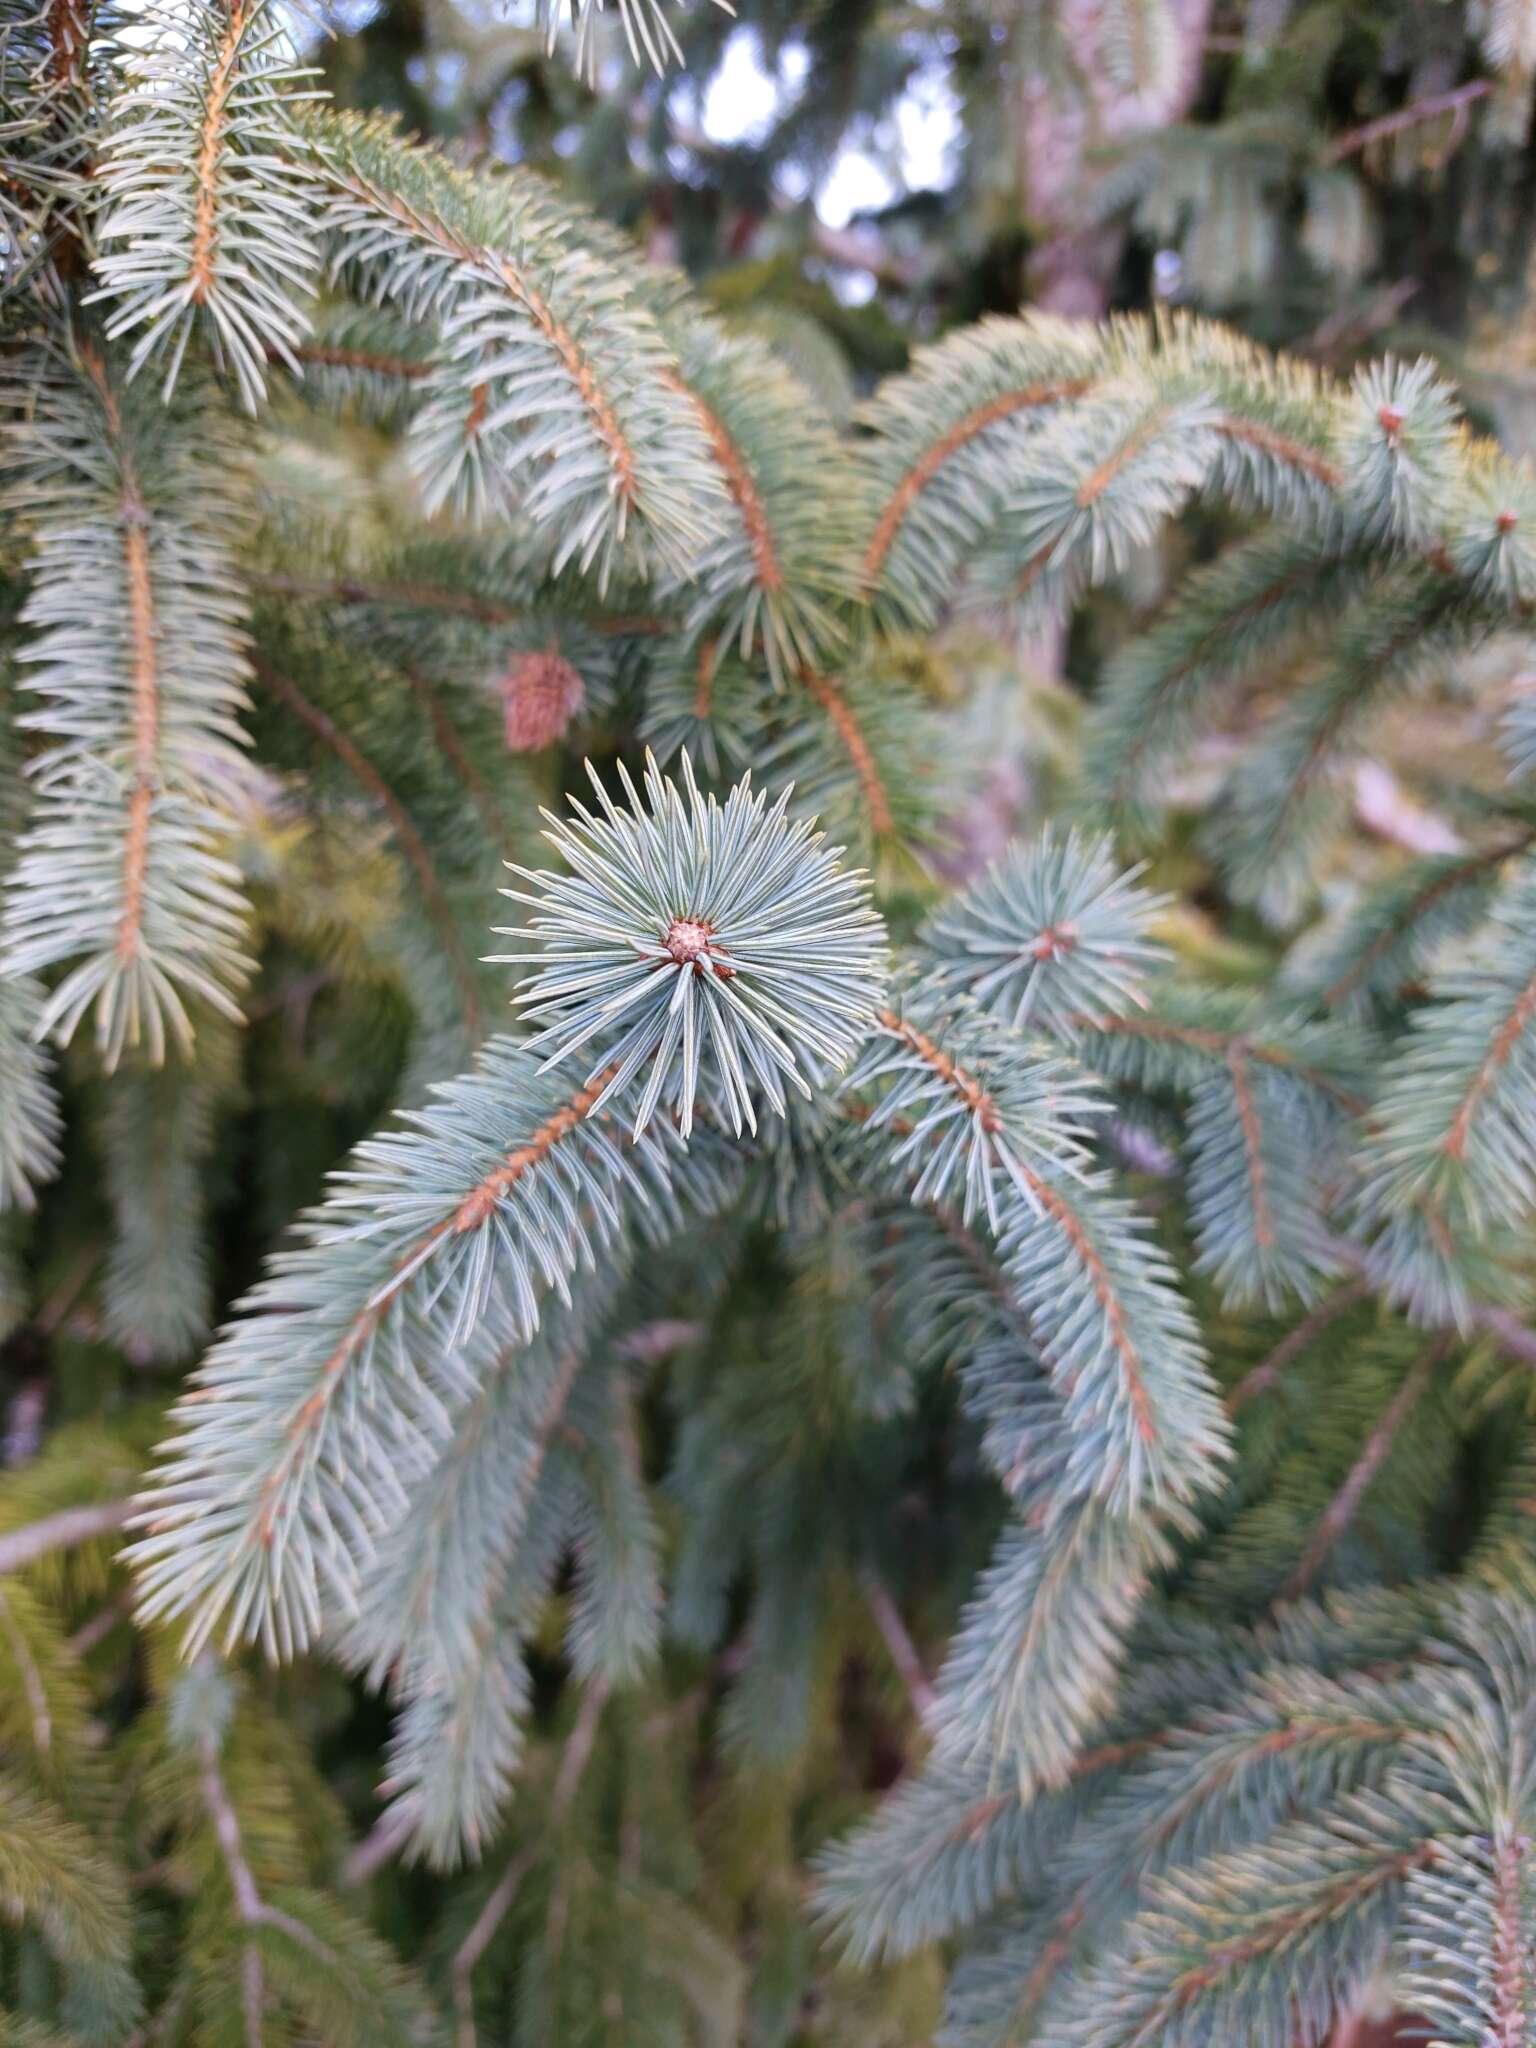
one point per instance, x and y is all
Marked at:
(887, 1402)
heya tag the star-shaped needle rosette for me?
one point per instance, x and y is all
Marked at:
(719, 949)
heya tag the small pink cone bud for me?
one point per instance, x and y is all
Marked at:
(540, 695)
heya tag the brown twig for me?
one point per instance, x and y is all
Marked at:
(1253, 1143)
(406, 368)
(384, 1841)
(741, 484)
(464, 604)
(903, 1651)
(835, 704)
(143, 638)
(242, 1882)
(1521, 1015)
(411, 843)
(573, 1762)
(1345, 1505)
(1218, 1044)
(1268, 1370)
(964, 1085)
(210, 154)
(21, 1547)
(1510, 1977)
(251, 1908)
(456, 754)
(110, 1615)
(1427, 109)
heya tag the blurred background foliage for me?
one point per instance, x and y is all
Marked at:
(846, 178)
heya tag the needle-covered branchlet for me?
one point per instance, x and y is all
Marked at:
(707, 952)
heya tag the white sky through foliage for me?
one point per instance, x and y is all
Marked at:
(912, 153)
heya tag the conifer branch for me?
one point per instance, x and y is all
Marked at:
(742, 485)
(30, 1124)
(419, 1238)
(1285, 450)
(1448, 1120)
(1224, 1046)
(206, 193)
(1113, 1336)
(1409, 913)
(1482, 1083)
(928, 464)
(31, 1679)
(551, 350)
(118, 871)
(1279, 1930)
(1054, 934)
(776, 581)
(883, 1207)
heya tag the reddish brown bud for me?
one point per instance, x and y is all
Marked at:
(687, 938)
(1054, 943)
(1507, 521)
(1391, 421)
(540, 695)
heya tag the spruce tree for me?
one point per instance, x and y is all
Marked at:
(852, 1403)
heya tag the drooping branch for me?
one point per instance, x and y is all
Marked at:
(1048, 1201)
(1027, 398)
(430, 229)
